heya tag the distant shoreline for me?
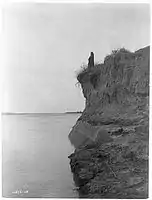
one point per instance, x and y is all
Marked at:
(78, 112)
(7, 113)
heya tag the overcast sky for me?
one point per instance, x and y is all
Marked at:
(45, 44)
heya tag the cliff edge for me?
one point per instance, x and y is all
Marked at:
(111, 136)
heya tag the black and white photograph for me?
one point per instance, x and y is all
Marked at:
(75, 100)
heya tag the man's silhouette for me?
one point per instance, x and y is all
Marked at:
(91, 60)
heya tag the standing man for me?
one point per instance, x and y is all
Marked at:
(91, 60)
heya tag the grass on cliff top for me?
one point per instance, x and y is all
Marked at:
(84, 70)
(117, 52)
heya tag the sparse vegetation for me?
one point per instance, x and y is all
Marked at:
(92, 74)
(83, 69)
(116, 52)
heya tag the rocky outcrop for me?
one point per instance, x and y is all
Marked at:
(111, 136)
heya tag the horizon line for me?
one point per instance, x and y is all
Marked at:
(41, 112)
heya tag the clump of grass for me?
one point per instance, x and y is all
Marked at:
(85, 70)
(116, 52)
(120, 50)
(81, 72)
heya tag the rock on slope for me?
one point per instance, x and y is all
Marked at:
(111, 136)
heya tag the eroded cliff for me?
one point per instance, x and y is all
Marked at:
(111, 136)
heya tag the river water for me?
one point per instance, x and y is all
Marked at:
(35, 155)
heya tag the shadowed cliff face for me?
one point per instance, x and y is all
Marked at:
(112, 135)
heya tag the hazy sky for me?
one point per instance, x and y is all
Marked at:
(45, 44)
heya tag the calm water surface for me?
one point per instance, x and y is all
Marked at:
(35, 155)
